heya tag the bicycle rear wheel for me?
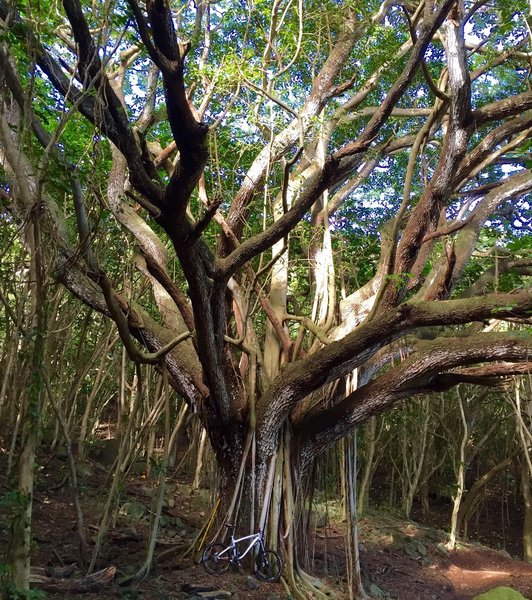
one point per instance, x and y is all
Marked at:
(268, 566)
(211, 560)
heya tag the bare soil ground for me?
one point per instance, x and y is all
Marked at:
(400, 559)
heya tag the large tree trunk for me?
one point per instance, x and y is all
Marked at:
(254, 374)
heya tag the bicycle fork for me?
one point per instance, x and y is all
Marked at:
(234, 556)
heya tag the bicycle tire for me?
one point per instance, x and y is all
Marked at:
(268, 566)
(212, 562)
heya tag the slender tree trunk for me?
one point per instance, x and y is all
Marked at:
(20, 539)
(417, 460)
(146, 567)
(354, 574)
(89, 411)
(469, 501)
(526, 486)
(369, 467)
(199, 460)
(21, 527)
(460, 479)
(523, 413)
(82, 541)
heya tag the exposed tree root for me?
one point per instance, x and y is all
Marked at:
(90, 583)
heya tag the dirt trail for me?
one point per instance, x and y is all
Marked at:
(401, 560)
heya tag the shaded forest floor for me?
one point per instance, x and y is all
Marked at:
(400, 559)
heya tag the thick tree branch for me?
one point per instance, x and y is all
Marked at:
(502, 109)
(149, 333)
(340, 357)
(426, 213)
(487, 375)
(444, 276)
(189, 134)
(165, 64)
(93, 76)
(475, 158)
(400, 85)
(505, 264)
(415, 375)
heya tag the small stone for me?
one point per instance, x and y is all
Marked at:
(421, 548)
(83, 469)
(411, 550)
(442, 549)
(133, 511)
(191, 588)
(251, 583)
(178, 523)
(139, 467)
(376, 591)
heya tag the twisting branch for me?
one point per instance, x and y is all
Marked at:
(502, 109)
(415, 375)
(92, 75)
(118, 316)
(290, 135)
(428, 78)
(114, 123)
(401, 83)
(389, 264)
(340, 357)
(203, 223)
(479, 156)
(189, 134)
(427, 211)
(448, 230)
(167, 66)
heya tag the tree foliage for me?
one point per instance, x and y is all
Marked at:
(267, 197)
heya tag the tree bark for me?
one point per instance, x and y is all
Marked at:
(526, 487)
(460, 476)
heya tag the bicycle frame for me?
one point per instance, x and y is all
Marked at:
(256, 538)
(218, 556)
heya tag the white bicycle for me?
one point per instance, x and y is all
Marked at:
(217, 557)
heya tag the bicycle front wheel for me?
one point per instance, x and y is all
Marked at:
(268, 566)
(213, 561)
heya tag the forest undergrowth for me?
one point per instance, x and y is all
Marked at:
(400, 559)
